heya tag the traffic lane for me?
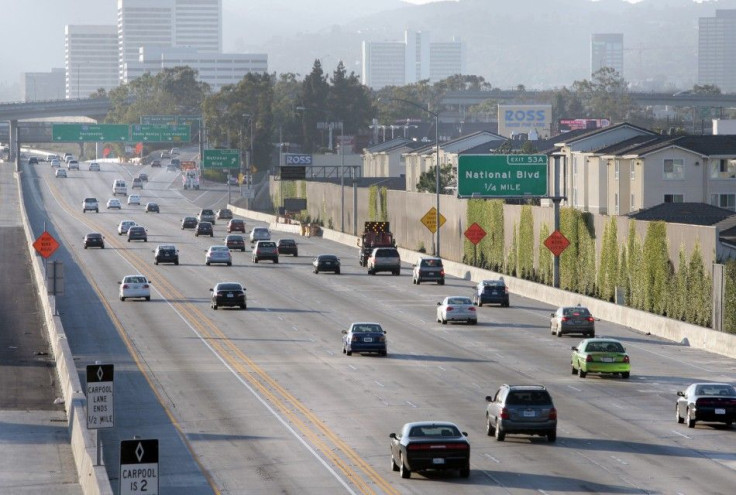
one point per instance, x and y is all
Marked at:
(139, 334)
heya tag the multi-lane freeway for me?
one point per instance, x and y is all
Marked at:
(264, 401)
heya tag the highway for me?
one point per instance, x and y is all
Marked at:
(263, 401)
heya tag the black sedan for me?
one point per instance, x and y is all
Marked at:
(709, 402)
(152, 208)
(189, 223)
(137, 233)
(430, 446)
(230, 294)
(364, 337)
(235, 241)
(94, 239)
(326, 263)
(287, 246)
(203, 228)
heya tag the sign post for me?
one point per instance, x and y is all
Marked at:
(139, 467)
(100, 404)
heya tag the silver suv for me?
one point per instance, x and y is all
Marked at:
(428, 270)
(524, 409)
(384, 260)
(265, 250)
(206, 215)
(90, 204)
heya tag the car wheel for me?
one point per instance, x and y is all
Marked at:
(500, 434)
(196, 235)
(559, 332)
(582, 373)
(85, 247)
(396, 272)
(243, 306)
(552, 436)
(349, 352)
(418, 282)
(315, 270)
(490, 430)
(276, 261)
(444, 321)
(383, 353)
(625, 374)
(229, 263)
(207, 263)
(242, 250)
(122, 298)
(465, 471)
(214, 306)
(371, 272)
(176, 262)
(441, 282)
(255, 260)
(155, 262)
(480, 303)
(128, 240)
(680, 419)
(573, 370)
(148, 298)
(690, 421)
(394, 466)
(337, 272)
(405, 472)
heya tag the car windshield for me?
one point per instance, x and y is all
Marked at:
(528, 397)
(387, 253)
(576, 312)
(367, 327)
(432, 263)
(434, 431)
(220, 249)
(234, 238)
(327, 257)
(286, 242)
(267, 244)
(604, 347)
(207, 212)
(94, 236)
(459, 300)
(715, 389)
(135, 280)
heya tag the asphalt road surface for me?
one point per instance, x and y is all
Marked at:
(264, 401)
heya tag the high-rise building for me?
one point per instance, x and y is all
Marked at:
(717, 50)
(216, 69)
(396, 63)
(167, 23)
(607, 50)
(37, 86)
(91, 55)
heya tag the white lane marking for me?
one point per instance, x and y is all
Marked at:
(440, 367)
(681, 434)
(575, 388)
(412, 405)
(352, 367)
(492, 458)
(379, 383)
(619, 460)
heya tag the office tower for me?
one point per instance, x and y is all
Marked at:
(717, 50)
(607, 50)
(38, 86)
(91, 54)
(445, 60)
(384, 64)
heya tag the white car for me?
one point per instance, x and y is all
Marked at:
(260, 234)
(94, 167)
(55, 163)
(218, 254)
(124, 226)
(134, 199)
(135, 286)
(73, 165)
(61, 172)
(113, 204)
(457, 308)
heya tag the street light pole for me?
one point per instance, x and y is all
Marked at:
(436, 166)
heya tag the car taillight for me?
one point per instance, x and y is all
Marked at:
(553, 413)
(382, 338)
(442, 273)
(505, 413)
(506, 290)
(626, 359)
(437, 446)
(125, 286)
(564, 318)
(588, 358)
(471, 308)
(355, 339)
(589, 318)
(450, 308)
(145, 286)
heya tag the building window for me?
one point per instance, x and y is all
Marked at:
(674, 169)
(616, 167)
(575, 165)
(633, 170)
(633, 203)
(723, 169)
(673, 198)
(574, 196)
(727, 201)
(615, 203)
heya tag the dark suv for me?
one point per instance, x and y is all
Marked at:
(428, 270)
(166, 253)
(521, 409)
(203, 228)
(491, 292)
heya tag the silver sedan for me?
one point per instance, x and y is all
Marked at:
(218, 254)
(457, 308)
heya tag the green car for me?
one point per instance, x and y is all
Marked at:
(604, 356)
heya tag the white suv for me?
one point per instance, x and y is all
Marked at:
(260, 234)
(384, 260)
(90, 204)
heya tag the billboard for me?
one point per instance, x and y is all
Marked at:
(523, 119)
(566, 125)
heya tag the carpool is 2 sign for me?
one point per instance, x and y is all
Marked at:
(501, 176)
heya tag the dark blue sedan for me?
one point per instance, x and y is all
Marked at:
(364, 337)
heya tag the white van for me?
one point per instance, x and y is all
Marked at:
(119, 187)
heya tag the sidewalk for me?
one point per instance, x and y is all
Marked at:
(35, 446)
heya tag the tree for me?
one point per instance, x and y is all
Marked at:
(428, 180)
(313, 95)
(286, 121)
(606, 95)
(349, 101)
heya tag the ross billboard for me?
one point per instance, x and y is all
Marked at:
(523, 119)
(567, 125)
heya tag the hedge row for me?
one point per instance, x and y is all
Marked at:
(640, 271)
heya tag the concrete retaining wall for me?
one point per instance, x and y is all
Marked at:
(667, 328)
(93, 479)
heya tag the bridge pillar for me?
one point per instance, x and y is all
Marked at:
(13, 140)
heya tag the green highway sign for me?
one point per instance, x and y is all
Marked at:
(499, 176)
(160, 133)
(89, 132)
(158, 119)
(221, 159)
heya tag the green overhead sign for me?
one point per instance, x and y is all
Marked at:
(499, 176)
(89, 132)
(221, 159)
(158, 119)
(160, 133)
